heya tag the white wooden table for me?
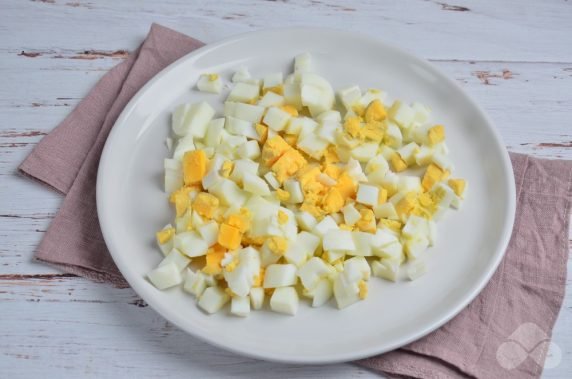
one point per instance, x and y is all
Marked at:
(514, 57)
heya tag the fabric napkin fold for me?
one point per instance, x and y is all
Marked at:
(505, 331)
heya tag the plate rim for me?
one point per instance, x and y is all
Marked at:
(502, 244)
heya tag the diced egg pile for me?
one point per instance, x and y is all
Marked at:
(295, 192)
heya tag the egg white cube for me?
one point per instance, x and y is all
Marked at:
(324, 226)
(241, 279)
(312, 145)
(248, 112)
(209, 232)
(392, 251)
(338, 240)
(255, 184)
(402, 114)
(306, 221)
(167, 246)
(196, 219)
(271, 99)
(173, 175)
(312, 271)
(272, 80)
(333, 256)
(422, 113)
(301, 126)
(267, 256)
(409, 183)
(261, 210)
(363, 243)
(326, 180)
(408, 152)
(331, 115)
(365, 152)
(249, 150)
(271, 179)
(241, 128)
(377, 164)
(414, 227)
(292, 186)
(356, 269)
(213, 299)
(322, 292)
(385, 210)
(208, 84)
(181, 224)
(229, 193)
(292, 95)
(285, 300)
(241, 74)
(179, 119)
(303, 62)
(447, 194)
(316, 99)
(354, 169)
(424, 156)
(191, 244)
(349, 96)
(386, 269)
(393, 136)
(432, 232)
(443, 161)
(256, 297)
(195, 283)
(240, 306)
(276, 118)
(415, 247)
(183, 145)
(390, 182)
(198, 118)
(243, 166)
(367, 194)
(345, 293)
(244, 93)
(165, 276)
(180, 260)
(328, 130)
(303, 246)
(211, 179)
(416, 270)
(280, 275)
(351, 214)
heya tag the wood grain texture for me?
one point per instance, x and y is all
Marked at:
(513, 57)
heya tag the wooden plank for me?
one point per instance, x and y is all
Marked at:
(67, 327)
(433, 29)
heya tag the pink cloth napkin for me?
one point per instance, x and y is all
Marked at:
(503, 332)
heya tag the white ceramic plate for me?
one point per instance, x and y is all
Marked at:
(132, 206)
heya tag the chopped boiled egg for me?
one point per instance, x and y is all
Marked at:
(287, 192)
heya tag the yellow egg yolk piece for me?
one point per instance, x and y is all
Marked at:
(282, 195)
(332, 171)
(194, 166)
(273, 149)
(331, 155)
(259, 279)
(277, 245)
(407, 204)
(352, 126)
(279, 90)
(397, 163)
(226, 168)
(382, 195)
(262, 131)
(213, 259)
(290, 110)
(458, 186)
(373, 131)
(312, 208)
(282, 217)
(229, 236)
(363, 291)
(181, 199)
(375, 111)
(288, 164)
(346, 185)
(436, 134)
(391, 224)
(205, 204)
(165, 235)
(333, 201)
(367, 221)
(433, 175)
